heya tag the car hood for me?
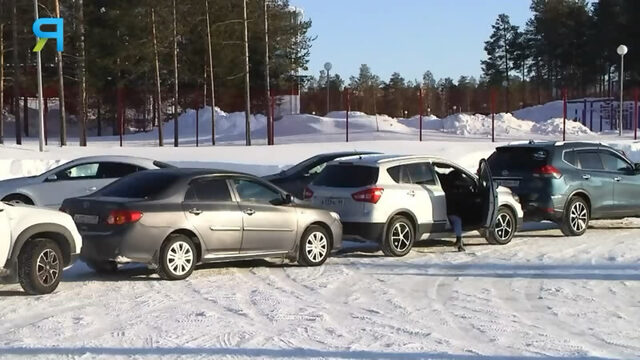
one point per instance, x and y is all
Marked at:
(10, 184)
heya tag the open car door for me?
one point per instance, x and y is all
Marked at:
(489, 194)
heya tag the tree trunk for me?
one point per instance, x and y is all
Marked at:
(266, 75)
(63, 115)
(158, 100)
(175, 77)
(82, 93)
(506, 66)
(25, 99)
(247, 95)
(213, 98)
(17, 79)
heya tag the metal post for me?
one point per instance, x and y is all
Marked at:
(40, 102)
(564, 114)
(621, 94)
(266, 73)
(421, 107)
(591, 117)
(197, 124)
(348, 105)
(328, 91)
(247, 95)
(584, 113)
(636, 93)
(493, 115)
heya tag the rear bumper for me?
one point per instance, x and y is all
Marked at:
(364, 231)
(123, 246)
(548, 208)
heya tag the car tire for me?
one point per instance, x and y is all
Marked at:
(177, 258)
(102, 267)
(18, 199)
(315, 246)
(505, 228)
(399, 237)
(575, 218)
(40, 266)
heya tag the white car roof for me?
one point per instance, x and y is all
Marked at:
(115, 158)
(378, 159)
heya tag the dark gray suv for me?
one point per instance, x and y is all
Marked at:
(569, 182)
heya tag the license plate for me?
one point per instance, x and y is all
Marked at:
(333, 203)
(509, 183)
(85, 219)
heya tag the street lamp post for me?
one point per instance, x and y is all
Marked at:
(327, 67)
(41, 129)
(622, 51)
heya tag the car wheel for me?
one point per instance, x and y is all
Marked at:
(399, 237)
(18, 199)
(505, 228)
(40, 266)
(177, 258)
(314, 246)
(102, 267)
(575, 219)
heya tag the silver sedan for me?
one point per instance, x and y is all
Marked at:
(75, 178)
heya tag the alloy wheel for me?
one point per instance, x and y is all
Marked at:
(401, 237)
(316, 246)
(578, 217)
(504, 226)
(48, 267)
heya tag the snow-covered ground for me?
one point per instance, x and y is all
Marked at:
(543, 295)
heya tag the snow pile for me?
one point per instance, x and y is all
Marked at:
(226, 123)
(466, 124)
(554, 127)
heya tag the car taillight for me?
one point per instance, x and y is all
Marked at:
(547, 171)
(63, 210)
(307, 194)
(120, 217)
(372, 195)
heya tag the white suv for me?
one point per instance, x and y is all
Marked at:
(35, 246)
(395, 200)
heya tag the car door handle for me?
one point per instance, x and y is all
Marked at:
(249, 212)
(586, 176)
(195, 211)
(92, 189)
(411, 193)
(617, 179)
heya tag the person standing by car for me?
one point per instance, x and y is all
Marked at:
(454, 200)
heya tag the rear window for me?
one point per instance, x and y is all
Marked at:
(347, 176)
(517, 159)
(144, 185)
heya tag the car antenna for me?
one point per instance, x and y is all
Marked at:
(532, 142)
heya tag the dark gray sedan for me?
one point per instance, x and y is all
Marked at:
(175, 218)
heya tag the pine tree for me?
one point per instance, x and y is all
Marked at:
(499, 49)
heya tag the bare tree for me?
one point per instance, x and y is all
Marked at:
(158, 114)
(213, 98)
(16, 72)
(266, 74)
(82, 78)
(175, 78)
(63, 115)
(247, 95)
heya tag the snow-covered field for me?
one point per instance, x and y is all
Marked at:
(543, 295)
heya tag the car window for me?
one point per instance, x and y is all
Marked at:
(346, 176)
(420, 174)
(79, 172)
(316, 170)
(613, 162)
(511, 160)
(113, 170)
(142, 185)
(590, 160)
(209, 190)
(255, 192)
(570, 157)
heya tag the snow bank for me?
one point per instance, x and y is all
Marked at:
(554, 126)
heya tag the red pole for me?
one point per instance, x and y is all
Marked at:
(636, 93)
(347, 116)
(120, 112)
(197, 123)
(421, 111)
(564, 114)
(492, 102)
(46, 111)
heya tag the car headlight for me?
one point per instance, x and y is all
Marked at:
(335, 215)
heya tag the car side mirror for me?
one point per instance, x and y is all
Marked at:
(288, 199)
(52, 178)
